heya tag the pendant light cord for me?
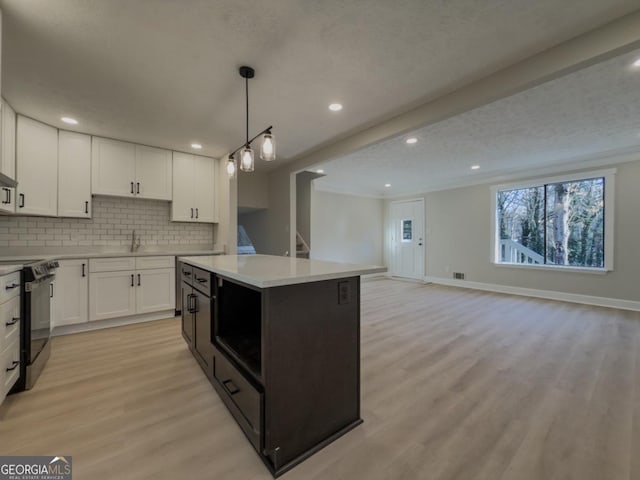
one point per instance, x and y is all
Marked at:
(246, 83)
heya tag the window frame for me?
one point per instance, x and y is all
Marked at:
(609, 176)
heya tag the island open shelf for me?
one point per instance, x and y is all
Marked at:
(283, 353)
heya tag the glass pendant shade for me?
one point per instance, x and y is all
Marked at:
(268, 149)
(231, 167)
(246, 159)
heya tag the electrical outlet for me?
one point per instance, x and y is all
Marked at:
(344, 293)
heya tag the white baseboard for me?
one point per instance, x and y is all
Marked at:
(112, 322)
(532, 292)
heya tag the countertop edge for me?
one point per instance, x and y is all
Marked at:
(365, 270)
(72, 256)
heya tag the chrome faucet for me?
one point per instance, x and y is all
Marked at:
(135, 241)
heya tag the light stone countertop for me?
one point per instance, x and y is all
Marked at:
(7, 269)
(264, 271)
(44, 254)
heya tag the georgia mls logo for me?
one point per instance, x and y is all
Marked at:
(35, 468)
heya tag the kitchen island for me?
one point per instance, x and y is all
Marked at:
(279, 339)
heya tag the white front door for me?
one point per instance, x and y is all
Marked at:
(407, 239)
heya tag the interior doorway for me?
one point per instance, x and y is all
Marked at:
(407, 238)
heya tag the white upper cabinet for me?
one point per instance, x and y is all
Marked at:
(153, 173)
(204, 189)
(36, 168)
(8, 156)
(74, 175)
(127, 170)
(8, 164)
(194, 197)
(113, 167)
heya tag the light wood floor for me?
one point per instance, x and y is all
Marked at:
(456, 384)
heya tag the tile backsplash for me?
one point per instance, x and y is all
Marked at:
(111, 224)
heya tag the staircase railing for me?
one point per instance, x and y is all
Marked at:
(514, 252)
(302, 248)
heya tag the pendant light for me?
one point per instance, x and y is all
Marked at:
(268, 147)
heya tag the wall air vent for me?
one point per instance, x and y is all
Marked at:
(458, 275)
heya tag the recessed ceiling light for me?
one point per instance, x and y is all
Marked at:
(69, 120)
(475, 167)
(335, 107)
(320, 171)
(387, 185)
(636, 63)
(196, 146)
(411, 140)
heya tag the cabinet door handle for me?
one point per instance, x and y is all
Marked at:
(138, 279)
(21, 203)
(83, 272)
(233, 389)
(13, 321)
(13, 366)
(186, 273)
(7, 195)
(138, 187)
(192, 213)
(86, 207)
(132, 280)
(132, 191)
(12, 286)
(196, 213)
(51, 290)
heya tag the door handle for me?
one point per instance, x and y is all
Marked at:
(21, 203)
(231, 390)
(13, 366)
(196, 213)
(7, 195)
(138, 279)
(51, 290)
(12, 286)
(83, 272)
(13, 321)
(132, 191)
(138, 187)
(86, 207)
(132, 280)
(192, 213)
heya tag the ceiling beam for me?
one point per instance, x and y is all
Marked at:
(613, 39)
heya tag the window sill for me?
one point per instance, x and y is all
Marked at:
(560, 268)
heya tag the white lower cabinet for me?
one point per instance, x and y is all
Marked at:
(71, 293)
(9, 332)
(119, 287)
(111, 295)
(155, 290)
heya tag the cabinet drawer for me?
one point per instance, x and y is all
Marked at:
(202, 280)
(9, 368)
(112, 264)
(186, 273)
(9, 322)
(236, 390)
(9, 286)
(145, 263)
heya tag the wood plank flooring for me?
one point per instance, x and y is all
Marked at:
(456, 384)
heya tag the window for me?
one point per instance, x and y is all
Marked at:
(407, 230)
(557, 222)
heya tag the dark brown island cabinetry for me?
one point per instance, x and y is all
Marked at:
(284, 359)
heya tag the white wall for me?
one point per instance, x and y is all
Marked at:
(458, 239)
(346, 228)
(253, 190)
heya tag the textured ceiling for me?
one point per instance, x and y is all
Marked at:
(164, 72)
(582, 116)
